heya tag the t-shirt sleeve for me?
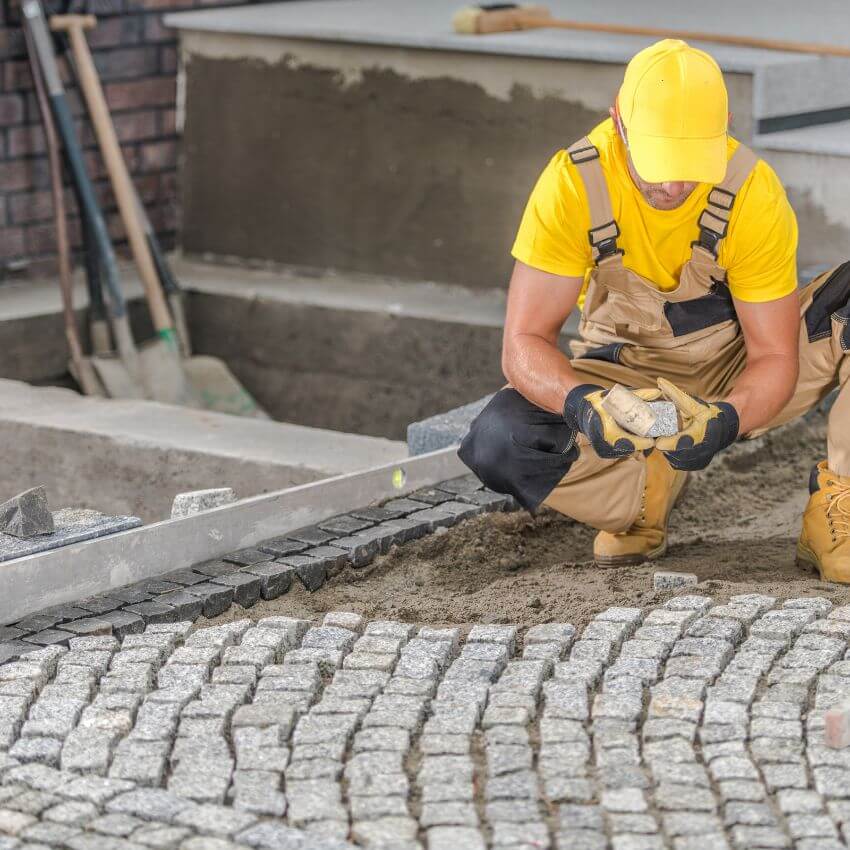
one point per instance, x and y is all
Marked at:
(761, 254)
(552, 234)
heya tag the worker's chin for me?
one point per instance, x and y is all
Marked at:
(665, 202)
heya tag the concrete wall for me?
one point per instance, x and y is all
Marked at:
(378, 159)
(360, 372)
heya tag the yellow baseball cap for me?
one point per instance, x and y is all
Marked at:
(675, 109)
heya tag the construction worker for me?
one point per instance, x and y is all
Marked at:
(679, 246)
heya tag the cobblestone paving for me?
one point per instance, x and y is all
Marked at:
(694, 726)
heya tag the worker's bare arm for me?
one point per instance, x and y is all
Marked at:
(771, 331)
(538, 305)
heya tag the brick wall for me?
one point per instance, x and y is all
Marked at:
(137, 59)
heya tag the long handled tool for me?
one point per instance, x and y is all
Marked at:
(210, 384)
(163, 371)
(481, 20)
(81, 368)
(121, 377)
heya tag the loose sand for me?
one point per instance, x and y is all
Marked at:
(736, 528)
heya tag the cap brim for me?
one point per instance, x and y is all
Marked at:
(662, 160)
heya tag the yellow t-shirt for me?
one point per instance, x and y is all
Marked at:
(759, 251)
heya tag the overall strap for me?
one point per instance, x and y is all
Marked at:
(603, 231)
(714, 221)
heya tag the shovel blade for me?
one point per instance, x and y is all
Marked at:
(218, 388)
(164, 376)
(116, 380)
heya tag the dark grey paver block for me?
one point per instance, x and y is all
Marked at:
(344, 525)
(185, 578)
(71, 526)
(89, 626)
(124, 623)
(156, 587)
(431, 496)
(275, 578)
(13, 649)
(217, 598)
(37, 622)
(375, 514)
(280, 546)
(312, 535)
(11, 633)
(332, 557)
(362, 550)
(311, 572)
(185, 605)
(130, 595)
(434, 518)
(405, 529)
(214, 568)
(50, 637)
(404, 506)
(488, 500)
(66, 613)
(248, 557)
(462, 484)
(153, 612)
(98, 605)
(247, 588)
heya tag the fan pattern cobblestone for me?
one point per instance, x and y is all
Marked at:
(692, 726)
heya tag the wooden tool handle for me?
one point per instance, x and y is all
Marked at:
(64, 23)
(118, 173)
(528, 22)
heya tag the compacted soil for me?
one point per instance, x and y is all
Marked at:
(735, 527)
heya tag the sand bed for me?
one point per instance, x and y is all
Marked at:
(736, 528)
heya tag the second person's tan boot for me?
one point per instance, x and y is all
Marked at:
(647, 538)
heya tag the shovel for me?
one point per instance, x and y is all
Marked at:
(121, 376)
(198, 381)
(161, 368)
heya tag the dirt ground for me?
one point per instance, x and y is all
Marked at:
(736, 528)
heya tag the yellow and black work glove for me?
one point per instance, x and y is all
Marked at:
(708, 428)
(583, 412)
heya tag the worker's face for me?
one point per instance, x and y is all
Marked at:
(660, 196)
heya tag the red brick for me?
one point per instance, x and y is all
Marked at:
(148, 187)
(16, 174)
(41, 238)
(12, 244)
(156, 91)
(158, 156)
(132, 126)
(167, 122)
(11, 109)
(168, 60)
(119, 30)
(156, 30)
(16, 75)
(27, 140)
(31, 206)
(127, 63)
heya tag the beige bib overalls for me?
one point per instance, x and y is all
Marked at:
(632, 333)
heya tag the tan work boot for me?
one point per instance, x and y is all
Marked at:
(647, 538)
(825, 539)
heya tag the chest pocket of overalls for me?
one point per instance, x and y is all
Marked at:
(618, 299)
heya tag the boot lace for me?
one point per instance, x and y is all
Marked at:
(838, 509)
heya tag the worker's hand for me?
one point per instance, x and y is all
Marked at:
(583, 412)
(708, 428)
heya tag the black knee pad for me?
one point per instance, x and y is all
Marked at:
(517, 448)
